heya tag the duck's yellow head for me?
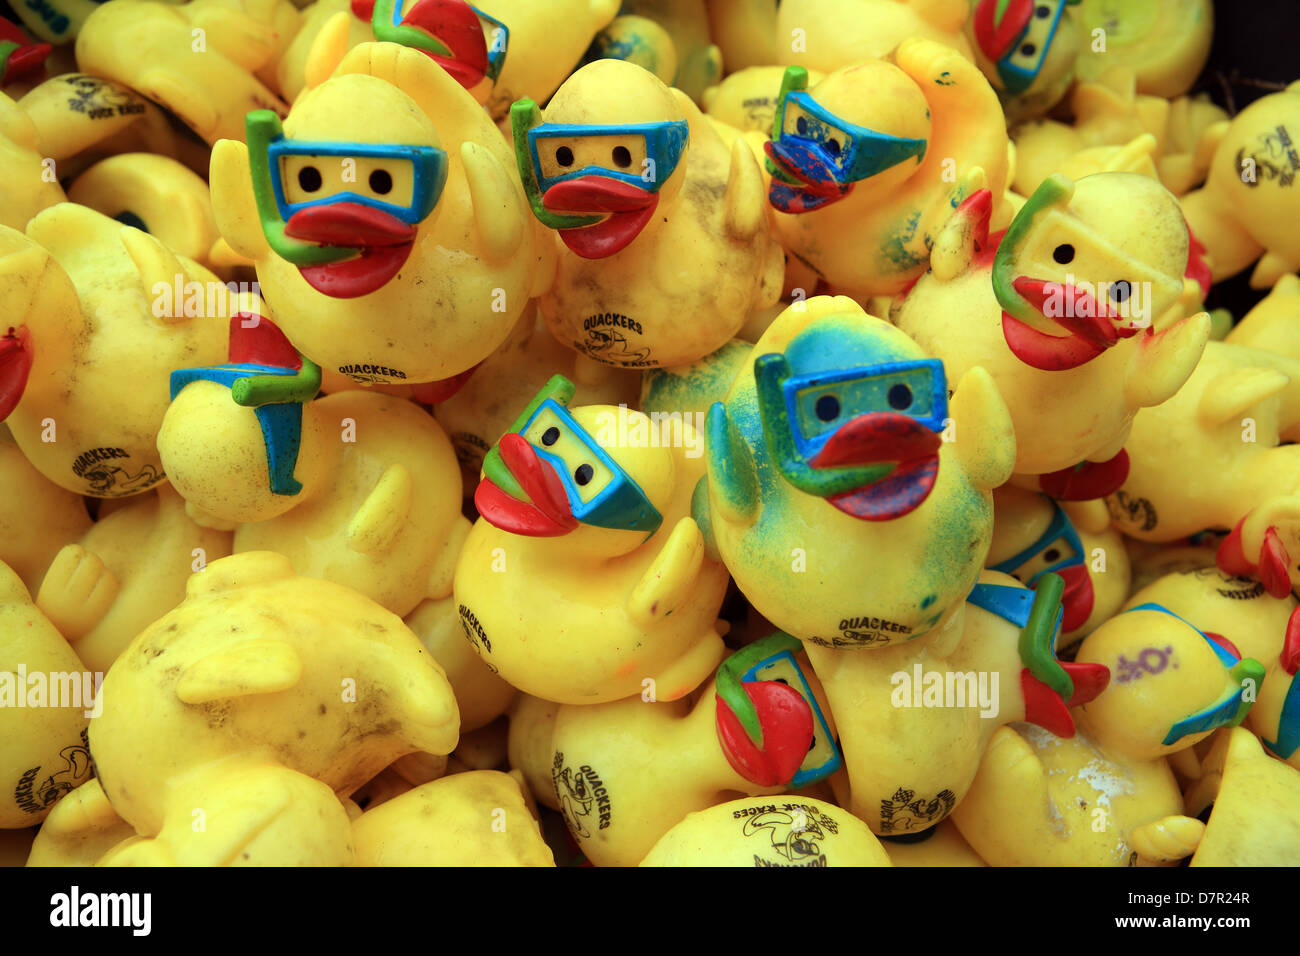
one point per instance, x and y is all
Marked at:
(1171, 684)
(863, 130)
(600, 476)
(609, 150)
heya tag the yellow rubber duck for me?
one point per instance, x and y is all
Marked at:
(379, 502)
(82, 119)
(1072, 325)
(1227, 433)
(761, 831)
(46, 700)
(757, 728)
(198, 59)
(592, 500)
(1034, 535)
(662, 243)
(868, 165)
(313, 707)
(829, 451)
(100, 313)
(1027, 49)
(124, 573)
(1246, 208)
(478, 818)
(1043, 800)
(1172, 685)
(914, 719)
(383, 218)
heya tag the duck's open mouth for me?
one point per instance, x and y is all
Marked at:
(801, 179)
(382, 242)
(883, 438)
(627, 210)
(1091, 327)
(546, 513)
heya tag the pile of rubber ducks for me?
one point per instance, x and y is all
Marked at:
(667, 432)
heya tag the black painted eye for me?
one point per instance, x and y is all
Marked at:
(1043, 12)
(900, 397)
(381, 182)
(582, 474)
(812, 743)
(1064, 253)
(1051, 555)
(622, 157)
(550, 436)
(309, 179)
(1029, 49)
(564, 156)
(1120, 291)
(833, 146)
(801, 126)
(828, 408)
(782, 680)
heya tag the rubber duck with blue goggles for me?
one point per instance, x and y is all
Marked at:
(1028, 47)
(1172, 684)
(548, 474)
(815, 157)
(836, 495)
(467, 42)
(598, 185)
(344, 213)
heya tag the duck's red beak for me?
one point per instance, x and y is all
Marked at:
(628, 209)
(546, 513)
(382, 241)
(15, 366)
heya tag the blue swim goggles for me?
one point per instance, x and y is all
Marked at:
(1018, 55)
(599, 491)
(410, 177)
(824, 147)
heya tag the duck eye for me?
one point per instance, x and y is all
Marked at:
(582, 474)
(833, 146)
(381, 182)
(622, 157)
(1029, 49)
(1043, 12)
(801, 126)
(1051, 554)
(900, 397)
(1120, 291)
(309, 179)
(828, 408)
(550, 436)
(1064, 253)
(564, 156)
